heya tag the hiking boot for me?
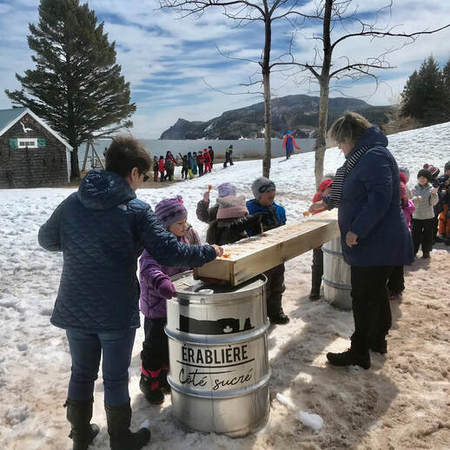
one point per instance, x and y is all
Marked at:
(279, 319)
(349, 358)
(150, 387)
(426, 255)
(313, 296)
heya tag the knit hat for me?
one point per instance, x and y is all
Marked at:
(170, 210)
(425, 173)
(262, 185)
(226, 189)
(405, 171)
(326, 183)
(433, 170)
(447, 165)
(231, 207)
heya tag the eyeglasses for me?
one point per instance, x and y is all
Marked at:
(266, 187)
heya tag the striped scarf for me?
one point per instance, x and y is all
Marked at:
(334, 199)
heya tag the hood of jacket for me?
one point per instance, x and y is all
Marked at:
(372, 137)
(103, 190)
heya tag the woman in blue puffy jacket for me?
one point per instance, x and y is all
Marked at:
(101, 230)
(374, 233)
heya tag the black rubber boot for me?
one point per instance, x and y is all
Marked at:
(79, 414)
(120, 436)
(279, 319)
(316, 281)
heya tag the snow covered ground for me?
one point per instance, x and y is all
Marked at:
(401, 402)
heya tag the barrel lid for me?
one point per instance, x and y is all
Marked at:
(186, 284)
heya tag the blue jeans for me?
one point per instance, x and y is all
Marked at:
(86, 349)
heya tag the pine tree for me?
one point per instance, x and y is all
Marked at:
(76, 85)
(423, 97)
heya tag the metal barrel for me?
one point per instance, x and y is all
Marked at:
(336, 276)
(219, 366)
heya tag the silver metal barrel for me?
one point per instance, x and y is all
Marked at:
(336, 275)
(219, 368)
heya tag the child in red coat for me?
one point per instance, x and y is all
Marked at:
(207, 160)
(161, 167)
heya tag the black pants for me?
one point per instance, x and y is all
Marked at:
(274, 290)
(316, 270)
(422, 234)
(155, 348)
(200, 170)
(184, 173)
(396, 282)
(371, 308)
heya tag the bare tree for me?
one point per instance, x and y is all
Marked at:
(244, 12)
(336, 17)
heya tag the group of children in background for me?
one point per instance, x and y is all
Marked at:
(229, 220)
(191, 164)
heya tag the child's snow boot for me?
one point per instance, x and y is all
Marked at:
(120, 436)
(79, 414)
(150, 386)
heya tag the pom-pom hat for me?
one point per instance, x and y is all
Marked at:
(170, 210)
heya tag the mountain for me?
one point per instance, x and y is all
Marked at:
(297, 113)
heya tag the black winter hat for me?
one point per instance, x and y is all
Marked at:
(425, 173)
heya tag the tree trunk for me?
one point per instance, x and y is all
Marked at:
(324, 82)
(267, 127)
(267, 98)
(321, 140)
(74, 164)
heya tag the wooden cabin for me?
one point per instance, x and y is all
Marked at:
(31, 153)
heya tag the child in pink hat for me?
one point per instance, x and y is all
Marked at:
(229, 218)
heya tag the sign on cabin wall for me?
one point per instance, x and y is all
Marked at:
(27, 143)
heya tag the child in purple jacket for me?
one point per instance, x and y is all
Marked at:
(156, 288)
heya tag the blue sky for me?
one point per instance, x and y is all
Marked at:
(175, 69)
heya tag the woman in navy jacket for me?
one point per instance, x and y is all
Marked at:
(101, 230)
(374, 233)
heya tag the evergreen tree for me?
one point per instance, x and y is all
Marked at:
(76, 85)
(423, 97)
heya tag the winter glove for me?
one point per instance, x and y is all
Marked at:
(166, 289)
(255, 221)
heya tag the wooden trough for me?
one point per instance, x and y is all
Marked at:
(250, 257)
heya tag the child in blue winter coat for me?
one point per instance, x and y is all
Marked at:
(156, 289)
(264, 191)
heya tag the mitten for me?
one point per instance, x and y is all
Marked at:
(166, 289)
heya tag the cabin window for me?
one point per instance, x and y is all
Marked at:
(26, 142)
